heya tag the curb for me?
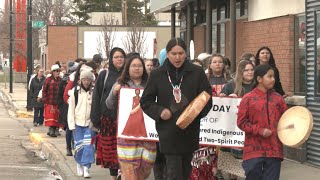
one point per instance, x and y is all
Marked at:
(56, 159)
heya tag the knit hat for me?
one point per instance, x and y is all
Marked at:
(85, 68)
(72, 66)
(87, 74)
(55, 67)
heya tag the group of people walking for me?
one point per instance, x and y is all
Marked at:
(87, 103)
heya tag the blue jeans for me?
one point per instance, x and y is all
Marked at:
(262, 168)
(38, 115)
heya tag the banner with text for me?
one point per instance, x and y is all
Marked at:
(218, 128)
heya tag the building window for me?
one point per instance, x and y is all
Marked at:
(300, 57)
(221, 15)
(317, 41)
(218, 29)
(222, 38)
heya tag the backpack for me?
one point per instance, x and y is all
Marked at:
(76, 94)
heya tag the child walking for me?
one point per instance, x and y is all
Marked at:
(78, 122)
(258, 116)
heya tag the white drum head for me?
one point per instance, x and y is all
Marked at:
(295, 126)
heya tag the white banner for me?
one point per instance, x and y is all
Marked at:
(218, 128)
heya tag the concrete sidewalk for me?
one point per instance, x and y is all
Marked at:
(54, 148)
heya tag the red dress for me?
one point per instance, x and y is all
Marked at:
(135, 125)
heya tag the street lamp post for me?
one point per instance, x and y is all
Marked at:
(11, 46)
(29, 51)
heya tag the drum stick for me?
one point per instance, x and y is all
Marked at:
(290, 126)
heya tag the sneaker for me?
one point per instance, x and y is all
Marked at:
(79, 170)
(35, 124)
(86, 172)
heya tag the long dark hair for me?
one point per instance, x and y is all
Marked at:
(260, 71)
(176, 41)
(272, 62)
(125, 76)
(113, 50)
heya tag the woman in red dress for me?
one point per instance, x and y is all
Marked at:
(49, 97)
(135, 125)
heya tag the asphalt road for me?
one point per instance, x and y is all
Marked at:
(19, 159)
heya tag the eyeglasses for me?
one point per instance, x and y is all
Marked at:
(136, 66)
(118, 57)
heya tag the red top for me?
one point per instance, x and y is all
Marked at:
(66, 90)
(254, 115)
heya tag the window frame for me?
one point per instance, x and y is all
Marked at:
(297, 49)
(316, 59)
(222, 21)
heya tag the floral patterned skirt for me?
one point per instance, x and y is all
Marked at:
(106, 154)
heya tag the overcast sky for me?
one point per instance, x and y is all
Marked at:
(2, 4)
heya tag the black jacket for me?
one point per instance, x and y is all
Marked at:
(174, 140)
(62, 106)
(35, 87)
(98, 107)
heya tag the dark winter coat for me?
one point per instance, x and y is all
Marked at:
(35, 86)
(62, 106)
(259, 110)
(174, 140)
(98, 107)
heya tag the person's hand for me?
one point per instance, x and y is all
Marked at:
(38, 99)
(166, 114)
(265, 132)
(222, 95)
(233, 95)
(116, 89)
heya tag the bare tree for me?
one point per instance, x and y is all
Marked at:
(108, 35)
(4, 31)
(135, 40)
(61, 9)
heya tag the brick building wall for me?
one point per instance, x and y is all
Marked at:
(239, 38)
(199, 34)
(62, 44)
(278, 34)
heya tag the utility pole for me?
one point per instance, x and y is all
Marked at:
(11, 46)
(29, 51)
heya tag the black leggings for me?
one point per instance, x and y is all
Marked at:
(113, 172)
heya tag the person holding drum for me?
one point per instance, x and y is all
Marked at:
(258, 116)
(181, 83)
